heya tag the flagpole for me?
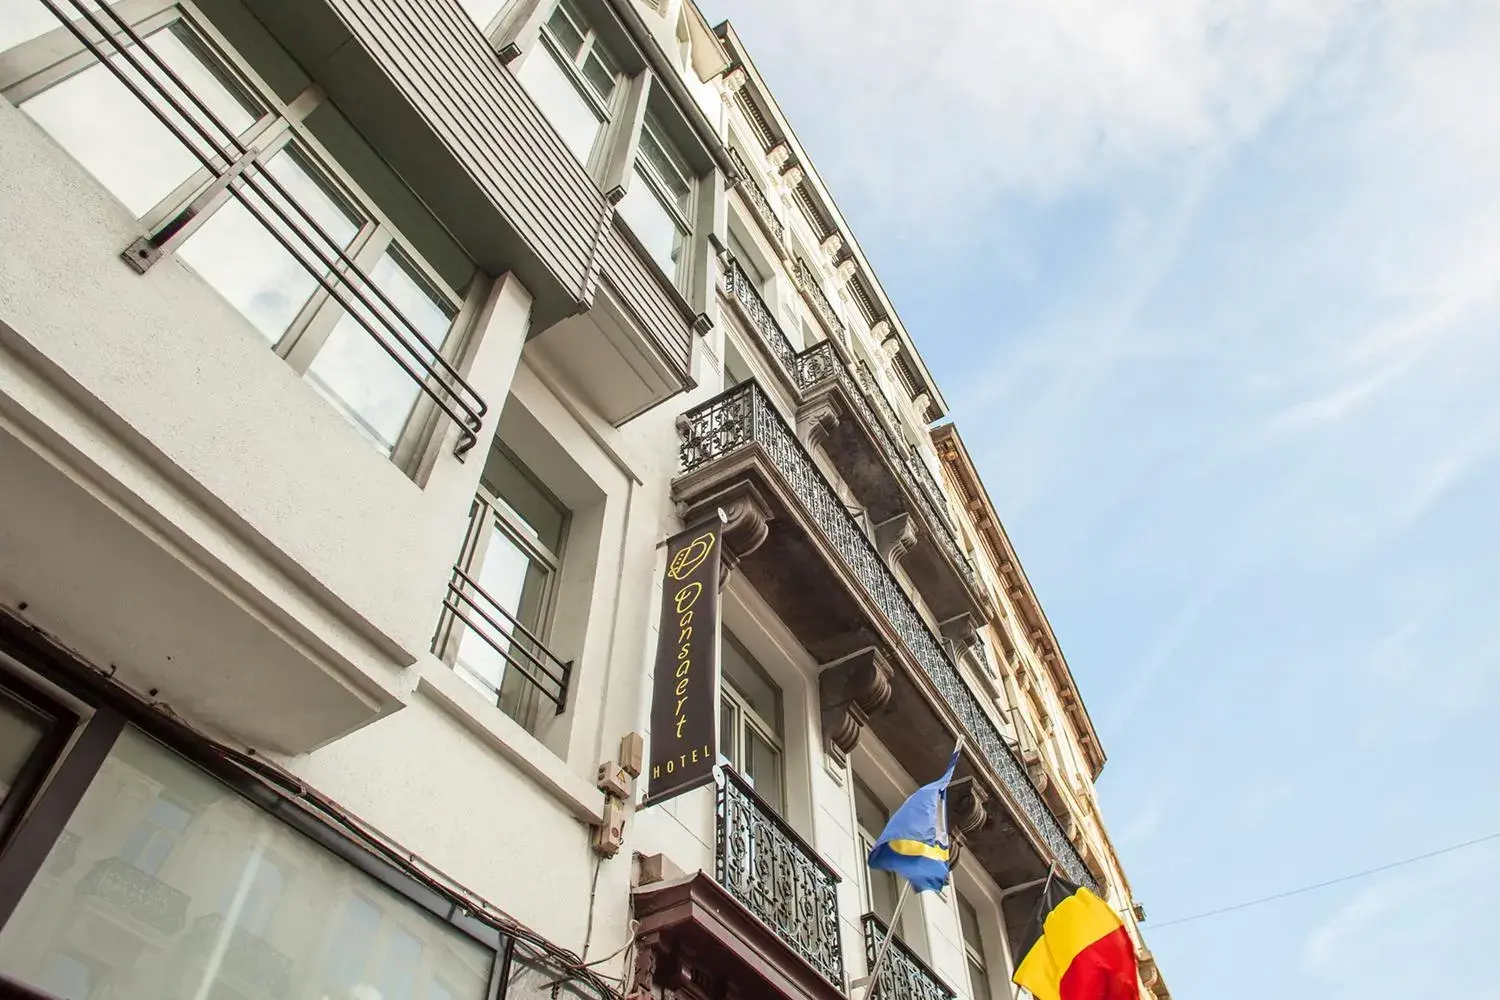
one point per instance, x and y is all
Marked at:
(890, 933)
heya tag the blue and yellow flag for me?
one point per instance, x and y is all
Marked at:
(915, 842)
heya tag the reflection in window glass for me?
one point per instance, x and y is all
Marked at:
(652, 224)
(338, 935)
(20, 733)
(107, 129)
(483, 11)
(568, 110)
(245, 262)
(151, 842)
(403, 959)
(360, 377)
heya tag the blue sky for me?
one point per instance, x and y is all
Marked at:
(1213, 290)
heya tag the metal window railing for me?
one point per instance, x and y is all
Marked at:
(778, 876)
(236, 166)
(493, 624)
(903, 975)
(759, 202)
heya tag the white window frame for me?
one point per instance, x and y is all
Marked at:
(606, 107)
(51, 59)
(748, 719)
(648, 171)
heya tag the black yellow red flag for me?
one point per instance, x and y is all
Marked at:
(1076, 948)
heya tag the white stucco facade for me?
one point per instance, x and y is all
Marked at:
(194, 541)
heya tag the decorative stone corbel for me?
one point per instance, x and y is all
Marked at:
(832, 245)
(960, 630)
(849, 690)
(778, 154)
(846, 268)
(921, 402)
(734, 80)
(817, 420)
(895, 537)
(791, 177)
(966, 802)
(747, 522)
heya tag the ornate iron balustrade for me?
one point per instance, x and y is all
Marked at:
(822, 361)
(904, 976)
(759, 203)
(744, 416)
(779, 878)
(239, 168)
(807, 280)
(145, 897)
(247, 959)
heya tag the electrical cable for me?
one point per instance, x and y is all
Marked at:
(1323, 885)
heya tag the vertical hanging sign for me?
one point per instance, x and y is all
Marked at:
(685, 690)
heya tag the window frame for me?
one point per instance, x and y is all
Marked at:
(280, 128)
(684, 219)
(34, 665)
(747, 719)
(572, 67)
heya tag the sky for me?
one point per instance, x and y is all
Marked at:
(1212, 288)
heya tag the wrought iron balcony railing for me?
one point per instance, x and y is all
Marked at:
(778, 876)
(247, 959)
(903, 976)
(759, 202)
(143, 896)
(237, 167)
(812, 287)
(822, 361)
(744, 417)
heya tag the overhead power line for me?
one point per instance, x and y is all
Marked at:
(1323, 885)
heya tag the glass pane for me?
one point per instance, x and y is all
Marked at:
(600, 73)
(514, 485)
(671, 173)
(403, 961)
(96, 119)
(750, 682)
(151, 842)
(763, 766)
(244, 261)
(969, 920)
(729, 751)
(868, 812)
(19, 735)
(979, 981)
(566, 31)
(356, 373)
(92, 922)
(568, 110)
(23, 20)
(652, 224)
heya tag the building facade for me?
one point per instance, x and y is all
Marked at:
(356, 360)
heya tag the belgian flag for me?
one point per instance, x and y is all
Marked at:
(1076, 948)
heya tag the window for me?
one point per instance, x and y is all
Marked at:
(253, 894)
(152, 841)
(736, 369)
(506, 579)
(748, 263)
(347, 935)
(881, 888)
(979, 978)
(483, 12)
(750, 722)
(21, 733)
(282, 231)
(659, 205)
(574, 80)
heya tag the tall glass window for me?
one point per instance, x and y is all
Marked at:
(96, 923)
(278, 239)
(750, 722)
(498, 625)
(659, 205)
(881, 888)
(574, 79)
(979, 977)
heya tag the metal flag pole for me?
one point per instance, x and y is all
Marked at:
(890, 933)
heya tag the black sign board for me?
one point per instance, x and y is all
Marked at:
(685, 690)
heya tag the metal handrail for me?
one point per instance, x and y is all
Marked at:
(241, 166)
(462, 588)
(873, 941)
(730, 774)
(758, 199)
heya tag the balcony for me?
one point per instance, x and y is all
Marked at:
(793, 538)
(423, 85)
(247, 961)
(779, 878)
(872, 456)
(760, 204)
(904, 976)
(137, 894)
